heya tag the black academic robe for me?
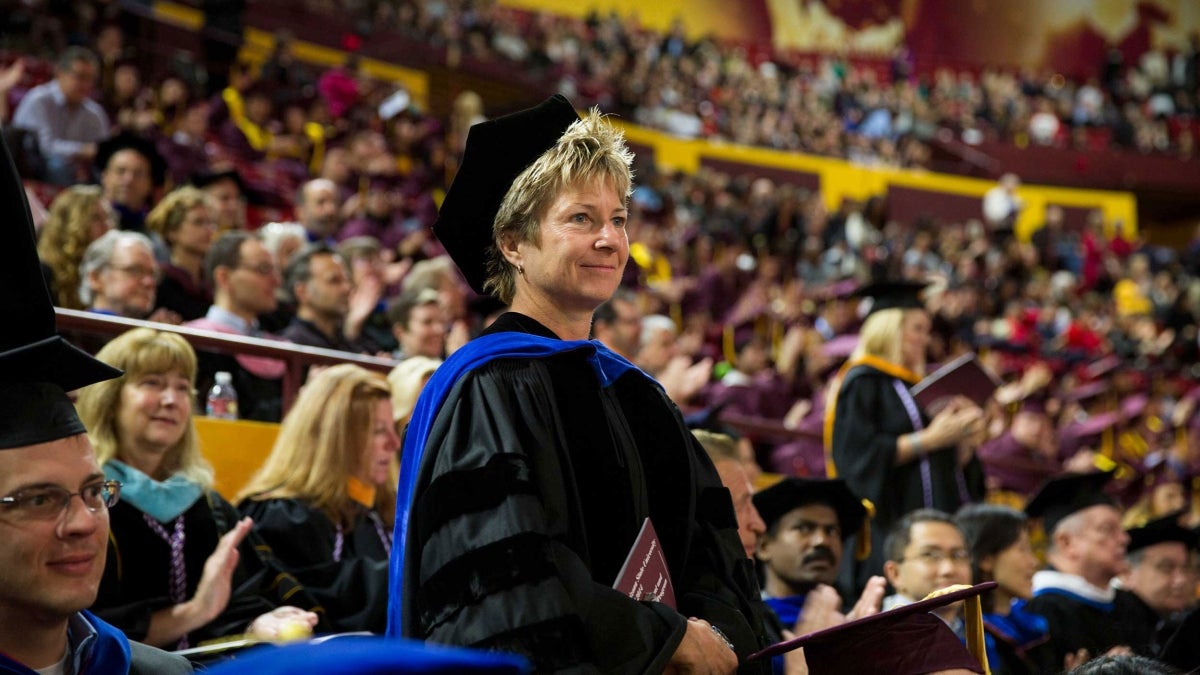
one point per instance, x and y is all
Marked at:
(1019, 654)
(1182, 648)
(1140, 627)
(1013, 660)
(534, 485)
(138, 568)
(1075, 624)
(181, 294)
(868, 420)
(353, 590)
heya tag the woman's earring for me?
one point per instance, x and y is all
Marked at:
(521, 269)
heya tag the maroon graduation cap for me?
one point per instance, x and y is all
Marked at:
(907, 640)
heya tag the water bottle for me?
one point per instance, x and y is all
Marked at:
(222, 398)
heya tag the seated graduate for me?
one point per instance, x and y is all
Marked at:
(926, 551)
(178, 571)
(804, 525)
(535, 455)
(52, 553)
(325, 497)
(808, 522)
(1157, 588)
(998, 539)
(1086, 551)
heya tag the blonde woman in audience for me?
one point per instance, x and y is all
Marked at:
(78, 216)
(180, 569)
(324, 498)
(186, 221)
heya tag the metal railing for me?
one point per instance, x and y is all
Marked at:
(297, 357)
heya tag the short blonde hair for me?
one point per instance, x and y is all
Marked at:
(166, 217)
(321, 442)
(591, 149)
(139, 352)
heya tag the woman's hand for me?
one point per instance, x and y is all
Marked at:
(283, 623)
(958, 421)
(216, 582)
(169, 624)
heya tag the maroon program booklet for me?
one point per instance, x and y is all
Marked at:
(963, 376)
(645, 575)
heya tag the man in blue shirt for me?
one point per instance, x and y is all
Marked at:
(68, 124)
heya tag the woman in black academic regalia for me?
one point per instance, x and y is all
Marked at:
(880, 441)
(1018, 640)
(324, 498)
(182, 567)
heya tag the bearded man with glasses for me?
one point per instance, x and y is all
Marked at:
(54, 545)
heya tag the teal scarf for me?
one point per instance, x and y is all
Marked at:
(162, 500)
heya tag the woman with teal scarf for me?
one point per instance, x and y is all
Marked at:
(180, 568)
(1017, 639)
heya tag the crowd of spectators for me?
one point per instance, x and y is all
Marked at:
(874, 109)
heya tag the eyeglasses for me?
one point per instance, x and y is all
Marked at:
(936, 556)
(139, 272)
(50, 501)
(262, 269)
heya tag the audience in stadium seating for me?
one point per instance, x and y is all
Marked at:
(119, 276)
(69, 125)
(130, 170)
(78, 216)
(185, 221)
(244, 279)
(330, 308)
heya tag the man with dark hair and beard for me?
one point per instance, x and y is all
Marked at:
(807, 522)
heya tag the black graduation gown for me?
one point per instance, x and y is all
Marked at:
(354, 590)
(1035, 660)
(138, 568)
(179, 293)
(1016, 659)
(1182, 649)
(1075, 624)
(533, 487)
(868, 420)
(1140, 627)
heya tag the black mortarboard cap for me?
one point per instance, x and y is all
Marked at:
(37, 366)
(892, 295)
(496, 152)
(1068, 493)
(792, 493)
(1159, 530)
(129, 141)
(907, 640)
